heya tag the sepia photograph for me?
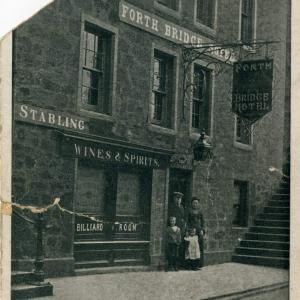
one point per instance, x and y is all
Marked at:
(145, 151)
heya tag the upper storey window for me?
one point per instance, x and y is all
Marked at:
(243, 131)
(96, 68)
(161, 107)
(201, 104)
(172, 4)
(205, 12)
(247, 20)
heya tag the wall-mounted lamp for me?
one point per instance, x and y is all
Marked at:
(202, 149)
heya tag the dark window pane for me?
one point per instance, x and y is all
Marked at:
(90, 79)
(91, 184)
(247, 21)
(173, 4)
(196, 114)
(128, 194)
(243, 131)
(89, 96)
(90, 87)
(199, 83)
(161, 108)
(96, 69)
(240, 203)
(201, 98)
(205, 12)
(159, 75)
(158, 106)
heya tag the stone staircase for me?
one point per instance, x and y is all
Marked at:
(23, 286)
(267, 242)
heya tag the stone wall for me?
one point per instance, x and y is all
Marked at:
(46, 74)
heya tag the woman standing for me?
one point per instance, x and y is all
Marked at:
(195, 220)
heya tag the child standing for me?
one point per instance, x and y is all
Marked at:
(192, 253)
(174, 240)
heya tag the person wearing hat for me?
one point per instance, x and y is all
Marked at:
(177, 211)
(195, 220)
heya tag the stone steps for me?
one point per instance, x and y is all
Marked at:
(281, 197)
(272, 223)
(279, 203)
(277, 209)
(24, 288)
(19, 277)
(254, 236)
(274, 216)
(267, 242)
(277, 262)
(262, 252)
(26, 291)
(270, 230)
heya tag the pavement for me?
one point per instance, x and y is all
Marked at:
(224, 281)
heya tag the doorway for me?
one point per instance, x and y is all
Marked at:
(180, 181)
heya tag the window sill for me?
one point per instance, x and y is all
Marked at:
(96, 115)
(205, 29)
(243, 146)
(174, 13)
(160, 129)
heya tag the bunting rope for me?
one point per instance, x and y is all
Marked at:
(273, 169)
(6, 208)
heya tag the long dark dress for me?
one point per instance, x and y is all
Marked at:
(195, 220)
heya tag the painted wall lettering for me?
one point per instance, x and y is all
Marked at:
(137, 17)
(46, 117)
(126, 227)
(89, 227)
(98, 153)
(73, 146)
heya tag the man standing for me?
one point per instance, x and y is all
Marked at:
(177, 210)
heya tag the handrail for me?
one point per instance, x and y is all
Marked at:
(23, 217)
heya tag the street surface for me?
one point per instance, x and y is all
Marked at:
(209, 282)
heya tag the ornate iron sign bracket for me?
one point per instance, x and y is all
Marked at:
(218, 55)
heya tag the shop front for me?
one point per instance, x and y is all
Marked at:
(113, 201)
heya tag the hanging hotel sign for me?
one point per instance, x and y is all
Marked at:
(151, 23)
(111, 153)
(50, 118)
(252, 88)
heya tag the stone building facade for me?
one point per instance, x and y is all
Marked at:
(101, 120)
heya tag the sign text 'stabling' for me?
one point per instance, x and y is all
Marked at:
(50, 118)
